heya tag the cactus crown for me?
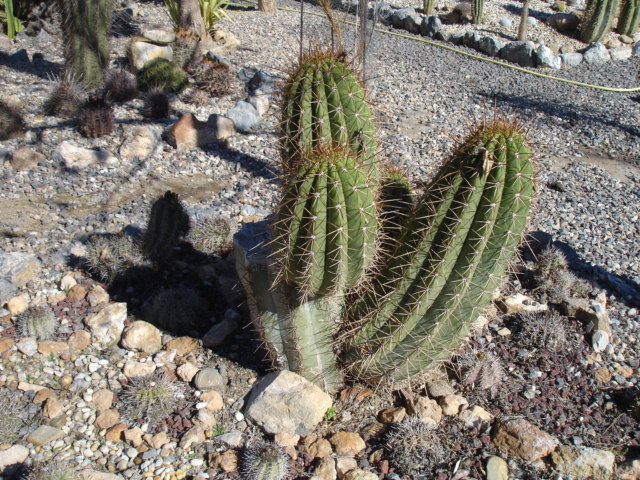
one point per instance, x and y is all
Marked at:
(38, 322)
(162, 73)
(264, 461)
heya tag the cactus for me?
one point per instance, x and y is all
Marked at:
(86, 39)
(110, 257)
(326, 232)
(396, 201)
(324, 104)
(149, 399)
(629, 20)
(427, 7)
(162, 73)
(214, 78)
(50, 470)
(11, 122)
(211, 235)
(168, 223)
(38, 322)
(415, 447)
(157, 104)
(120, 85)
(477, 11)
(198, 97)
(95, 117)
(186, 48)
(598, 19)
(264, 461)
(65, 98)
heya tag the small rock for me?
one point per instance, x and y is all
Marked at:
(13, 455)
(102, 399)
(134, 436)
(520, 303)
(284, 402)
(209, 379)
(489, 46)
(344, 465)
(224, 43)
(159, 34)
(6, 344)
(475, 416)
(189, 132)
(519, 437)
(627, 471)
(76, 293)
(183, 345)
(428, 410)
(52, 408)
(521, 53)
(44, 434)
(347, 444)
(72, 156)
(626, 39)
(613, 43)
(546, 58)
(97, 296)
(28, 346)
(451, 404)
(133, 368)
(596, 54)
(603, 375)
(317, 447)
(47, 347)
(140, 144)
(159, 440)
(584, 462)
(430, 26)
(114, 434)
(532, 21)
(78, 341)
(438, 385)
(599, 341)
(497, 469)
(141, 336)
(413, 22)
(187, 371)
(219, 333)
(326, 469)
(620, 53)
(16, 270)
(563, 22)
(260, 102)
(244, 116)
(225, 461)
(232, 439)
(140, 53)
(96, 475)
(505, 22)
(106, 326)
(213, 399)
(570, 59)
(26, 158)
(192, 437)
(108, 418)
(18, 304)
(392, 415)
(359, 474)
(286, 439)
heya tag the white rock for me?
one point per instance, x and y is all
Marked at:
(13, 455)
(72, 156)
(141, 53)
(140, 143)
(142, 336)
(106, 325)
(599, 340)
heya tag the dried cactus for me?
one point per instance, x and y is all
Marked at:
(51, 470)
(264, 461)
(149, 398)
(65, 98)
(553, 278)
(214, 78)
(414, 447)
(95, 117)
(11, 122)
(120, 85)
(168, 223)
(37, 322)
(198, 98)
(544, 330)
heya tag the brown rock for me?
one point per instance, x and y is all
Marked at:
(187, 371)
(629, 470)
(141, 336)
(584, 462)
(108, 418)
(17, 305)
(224, 43)
(326, 469)
(286, 439)
(52, 408)
(451, 404)
(519, 437)
(102, 399)
(192, 437)
(603, 375)
(26, 158)
(623, 370)
(317, 447)
(214, 401)
(226, 461)
(79, 340)
(114, 434)
(189, 132)
(77, 293)
(392, 415)
(428, 410)
(344, 465)
(43, 395)
(46, 347)
(134, 368)
(134, 436)
(97, 296)
(347, 444)
(438, 385)
(183, 345)
(6, 343)
(159, 440)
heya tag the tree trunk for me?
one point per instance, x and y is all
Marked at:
(191, 19)
(523, 29)
(267, 6)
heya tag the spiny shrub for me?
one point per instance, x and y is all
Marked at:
(51, 470)
(110, 256)
(11, 122)
(157, 104)
(264, 461)
(414, 447)
(164, 74)
(38, 322)
(149, 398)
(120, 85)
(214, 78)
(65, 98)
(95, 117)
(168, 223)
(14, 416)
(483, 370)
(178, 310)
(543, 330)
(211, 235)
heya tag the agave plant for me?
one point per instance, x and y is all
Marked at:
(213, 11)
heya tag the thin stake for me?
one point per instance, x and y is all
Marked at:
(301, 26)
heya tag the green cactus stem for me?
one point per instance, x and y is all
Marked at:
(454, 251)
(598, 19)
(477, 11)
(326, 232)
(324, 104)
(629, 21)
(427, 7)
(395, 200)
(86, 39)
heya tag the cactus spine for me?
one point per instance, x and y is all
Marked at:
(428, 5)
(629, 20)
(477, 11)
(86, 39)
(324, 104)
(598, 19)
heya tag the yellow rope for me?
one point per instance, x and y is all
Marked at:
(479, 57)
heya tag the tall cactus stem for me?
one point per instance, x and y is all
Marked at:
(477, 11)
(598, 19)
(629, 21)
(427, 7)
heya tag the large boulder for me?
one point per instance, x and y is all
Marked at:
(522, 53)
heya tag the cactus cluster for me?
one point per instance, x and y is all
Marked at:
(110, 256)
(213, 78)
(65, 98)
(157, 103)
(95, 117)
(415, 448)
(120, 85)
(37, 322)
(149, 398)
(392, 307)
(168, 223)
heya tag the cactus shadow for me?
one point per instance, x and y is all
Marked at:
(244, 161)
(38, 67)
(623, 287)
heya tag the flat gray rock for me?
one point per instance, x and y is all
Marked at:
(522, 53)
(16, 270)
(244, 116)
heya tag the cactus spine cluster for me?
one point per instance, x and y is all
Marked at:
(168, 223)
(86, 39)
(477, 11)
(598, 19)
(413, 307)
(629, 20)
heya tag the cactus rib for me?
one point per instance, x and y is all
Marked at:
(598, 19)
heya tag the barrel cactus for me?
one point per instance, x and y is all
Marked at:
(598, 19)
(325, 104)
(629, 20)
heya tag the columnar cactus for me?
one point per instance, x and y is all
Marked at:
(428, 5)
(629, 20)
(598, 19)
(86, 39)
(477, 11)
(324, 104)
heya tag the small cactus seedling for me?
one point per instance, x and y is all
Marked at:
(414, 447)
(110, 256)
(149, 398)
(168, 223)
(164, 74)
(264, 461)
(65, 98)
(483, 370)
(95, 117)
(11, 122)
(157, 104)
(120, 85)
(211, 235)
(178, 310)
(37, 322)
(544, 330)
